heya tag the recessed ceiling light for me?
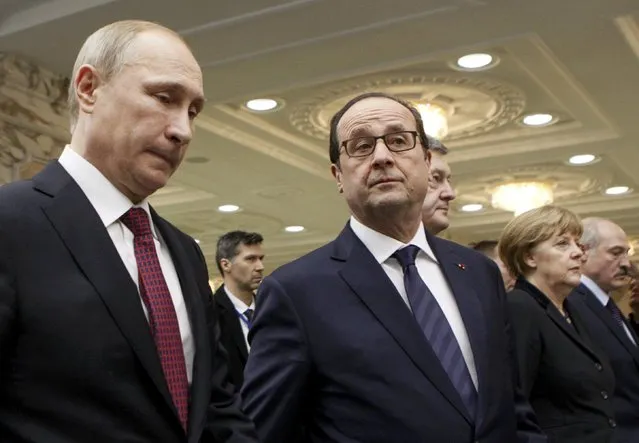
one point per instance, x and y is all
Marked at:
(228, 208)
(582, 159)
(538, 119)
(262, 104)
(617, 190)
(475, 61)
(294, 228)
(472, 207)
(197, 241)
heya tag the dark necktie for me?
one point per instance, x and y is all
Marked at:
(437, 330)
(617, 316)
(249, 316)
(162, 317)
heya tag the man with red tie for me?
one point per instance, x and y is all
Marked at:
(107, 328)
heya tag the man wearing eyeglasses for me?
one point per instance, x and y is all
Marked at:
(607, 268)
(386, 334)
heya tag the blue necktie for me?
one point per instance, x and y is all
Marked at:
(433, 322)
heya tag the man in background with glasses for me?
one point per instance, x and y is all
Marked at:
(607, 268)
(386, 334)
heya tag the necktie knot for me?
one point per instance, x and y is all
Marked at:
(249, 314)
(137, 220)
(406, 256)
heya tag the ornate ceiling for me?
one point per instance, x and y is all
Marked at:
(575, 59)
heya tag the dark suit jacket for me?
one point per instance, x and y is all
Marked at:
(569, 384)
(232, 337)
(335, 351)
(623, 356)
(77, 360)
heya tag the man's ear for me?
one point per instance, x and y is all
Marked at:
(225, 264)
(87, 82)
(337, 173)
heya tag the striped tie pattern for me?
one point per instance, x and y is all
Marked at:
(436, 328)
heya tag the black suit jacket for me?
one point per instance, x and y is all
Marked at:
(569, 384)
(336, 352)
(77, 360)
(623, 356)
(232, 337)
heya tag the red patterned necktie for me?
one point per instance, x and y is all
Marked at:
(162, 317)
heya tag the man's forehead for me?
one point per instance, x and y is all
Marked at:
(438, 164)
(371, 109)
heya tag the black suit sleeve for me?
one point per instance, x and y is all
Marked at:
(277, 372)
(225, 420)
(524, 357)
(8, 295)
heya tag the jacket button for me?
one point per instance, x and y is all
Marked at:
(612, 423)
(598, 367)
(604, 394)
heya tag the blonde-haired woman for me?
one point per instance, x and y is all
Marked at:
(568, 383)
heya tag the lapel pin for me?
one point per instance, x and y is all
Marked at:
(461, 266)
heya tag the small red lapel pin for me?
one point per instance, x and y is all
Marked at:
(461, 266)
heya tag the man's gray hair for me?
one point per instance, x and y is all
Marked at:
(590, 236)
(105, 50)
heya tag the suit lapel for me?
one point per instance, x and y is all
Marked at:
(368, 280)
(470, 308)
(570, 331)
(228, 310)
(600, 311)
(191, 293)
(78, 225)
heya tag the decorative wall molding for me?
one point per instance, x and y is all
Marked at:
(33, 118)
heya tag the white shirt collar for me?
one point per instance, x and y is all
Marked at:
(595, 289)
(106, 199)
(383, 246)
(238, 304)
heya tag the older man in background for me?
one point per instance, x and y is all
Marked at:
(606, 269)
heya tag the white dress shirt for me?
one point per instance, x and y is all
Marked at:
(383, 247)
(603, 299)
(111, 204)
(240, 309)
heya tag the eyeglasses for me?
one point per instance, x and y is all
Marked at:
(395, 142)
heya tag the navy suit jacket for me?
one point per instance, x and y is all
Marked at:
(78, 362)
(337, 356)
(232, 337)
(623, 356)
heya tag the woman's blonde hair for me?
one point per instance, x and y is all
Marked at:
(531, 228)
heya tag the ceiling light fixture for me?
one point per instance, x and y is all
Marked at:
(434, 118)
(228, 208)
(472, 207)
(538, 119)
(294, 228)
(617, 190)
(261, 104)
(582, 159)
(475, 61)
(520, 197)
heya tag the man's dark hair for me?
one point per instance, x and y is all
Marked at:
(333, 147)
(436, 145)
(486, 247)
(228, 244)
